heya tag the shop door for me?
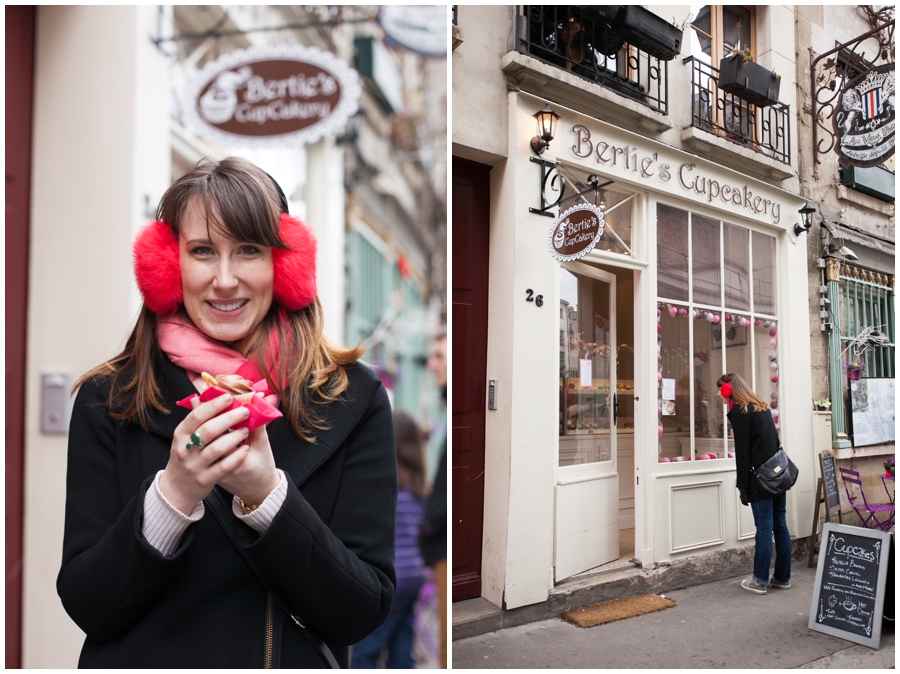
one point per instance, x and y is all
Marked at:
(20, 32)
(587, 485)
(471, 243)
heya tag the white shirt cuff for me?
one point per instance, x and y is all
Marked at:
(262, 517)
(164, 524)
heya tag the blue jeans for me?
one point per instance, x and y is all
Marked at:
(769, 515)
(395, 634)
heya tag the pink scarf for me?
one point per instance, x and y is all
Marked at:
(190, 349)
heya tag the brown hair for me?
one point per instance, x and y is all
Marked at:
(741, 393)
(242, 202)
(410, 457)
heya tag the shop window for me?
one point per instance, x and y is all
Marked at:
(705, 254)
(672, 252)
(585, 393)
(763, 248)
(737, 267)
(707, 327)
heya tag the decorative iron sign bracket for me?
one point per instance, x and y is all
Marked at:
(825, 92)
(548, 168)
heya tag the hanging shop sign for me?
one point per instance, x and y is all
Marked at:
(270, 96)
(864, 119)
(422, 28)
(576, 232)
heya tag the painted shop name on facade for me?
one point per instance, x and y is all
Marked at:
(649, 166)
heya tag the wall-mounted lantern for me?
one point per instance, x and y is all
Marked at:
(806, 212)
(546, 119)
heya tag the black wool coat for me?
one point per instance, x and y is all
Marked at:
(755, 442)
(329, 550)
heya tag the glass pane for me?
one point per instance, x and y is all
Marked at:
(701, 35)
(709, 429)
(765, 335)
(737, 268)
(584, 383)
(705, 257)
(673, 374)
(736, 333)
(735, 29)
(672, 252)
(763, 273)
(617, 207)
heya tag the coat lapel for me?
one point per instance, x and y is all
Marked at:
(174, 386)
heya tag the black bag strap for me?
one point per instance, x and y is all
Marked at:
(780, 449)
(223, 514)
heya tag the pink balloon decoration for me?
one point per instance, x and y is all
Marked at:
(672, 310)
(775, 379)
(716, 318)
(773, 332)
(660, 430)
(773, 342)
(665, 459)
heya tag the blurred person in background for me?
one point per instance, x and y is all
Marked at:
(396, 633)
(433, 537)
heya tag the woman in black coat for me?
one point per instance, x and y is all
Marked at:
(755, 442)
(308, 499)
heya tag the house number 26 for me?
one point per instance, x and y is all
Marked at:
(531, 297)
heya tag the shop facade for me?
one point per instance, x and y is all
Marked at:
(605, 444)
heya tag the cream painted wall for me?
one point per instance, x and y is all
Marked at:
(479, 86)
(325, 200)
(100, 144)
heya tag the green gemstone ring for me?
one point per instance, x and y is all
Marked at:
(195, 442)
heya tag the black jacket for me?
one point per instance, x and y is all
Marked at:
(329, 550)
(433, 534)
(755, 442)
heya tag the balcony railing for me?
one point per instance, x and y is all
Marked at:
(764, 130)
(563, 36)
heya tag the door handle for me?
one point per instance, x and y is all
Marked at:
(615, 408)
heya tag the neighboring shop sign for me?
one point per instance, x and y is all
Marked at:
(270, 96)
(576, 232)
(864, 119)
(422, 28)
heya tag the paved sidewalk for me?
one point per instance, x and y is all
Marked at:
(717, 625)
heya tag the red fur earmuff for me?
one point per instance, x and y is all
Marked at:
(158, 270)
(726, 390)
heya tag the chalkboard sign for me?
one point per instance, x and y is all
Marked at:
(848, 597)
(831, 489)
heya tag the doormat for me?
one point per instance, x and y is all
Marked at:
(617, 609)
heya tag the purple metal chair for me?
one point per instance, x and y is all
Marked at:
(868, 512)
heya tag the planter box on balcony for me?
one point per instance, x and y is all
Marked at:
(751, 82)
(651, 33)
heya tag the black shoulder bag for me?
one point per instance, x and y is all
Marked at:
(776, 475)
(223, 514)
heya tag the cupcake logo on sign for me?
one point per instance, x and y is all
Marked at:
(575, 232)
(270, 96)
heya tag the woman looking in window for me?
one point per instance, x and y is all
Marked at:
(301, 521)
(755, 442)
